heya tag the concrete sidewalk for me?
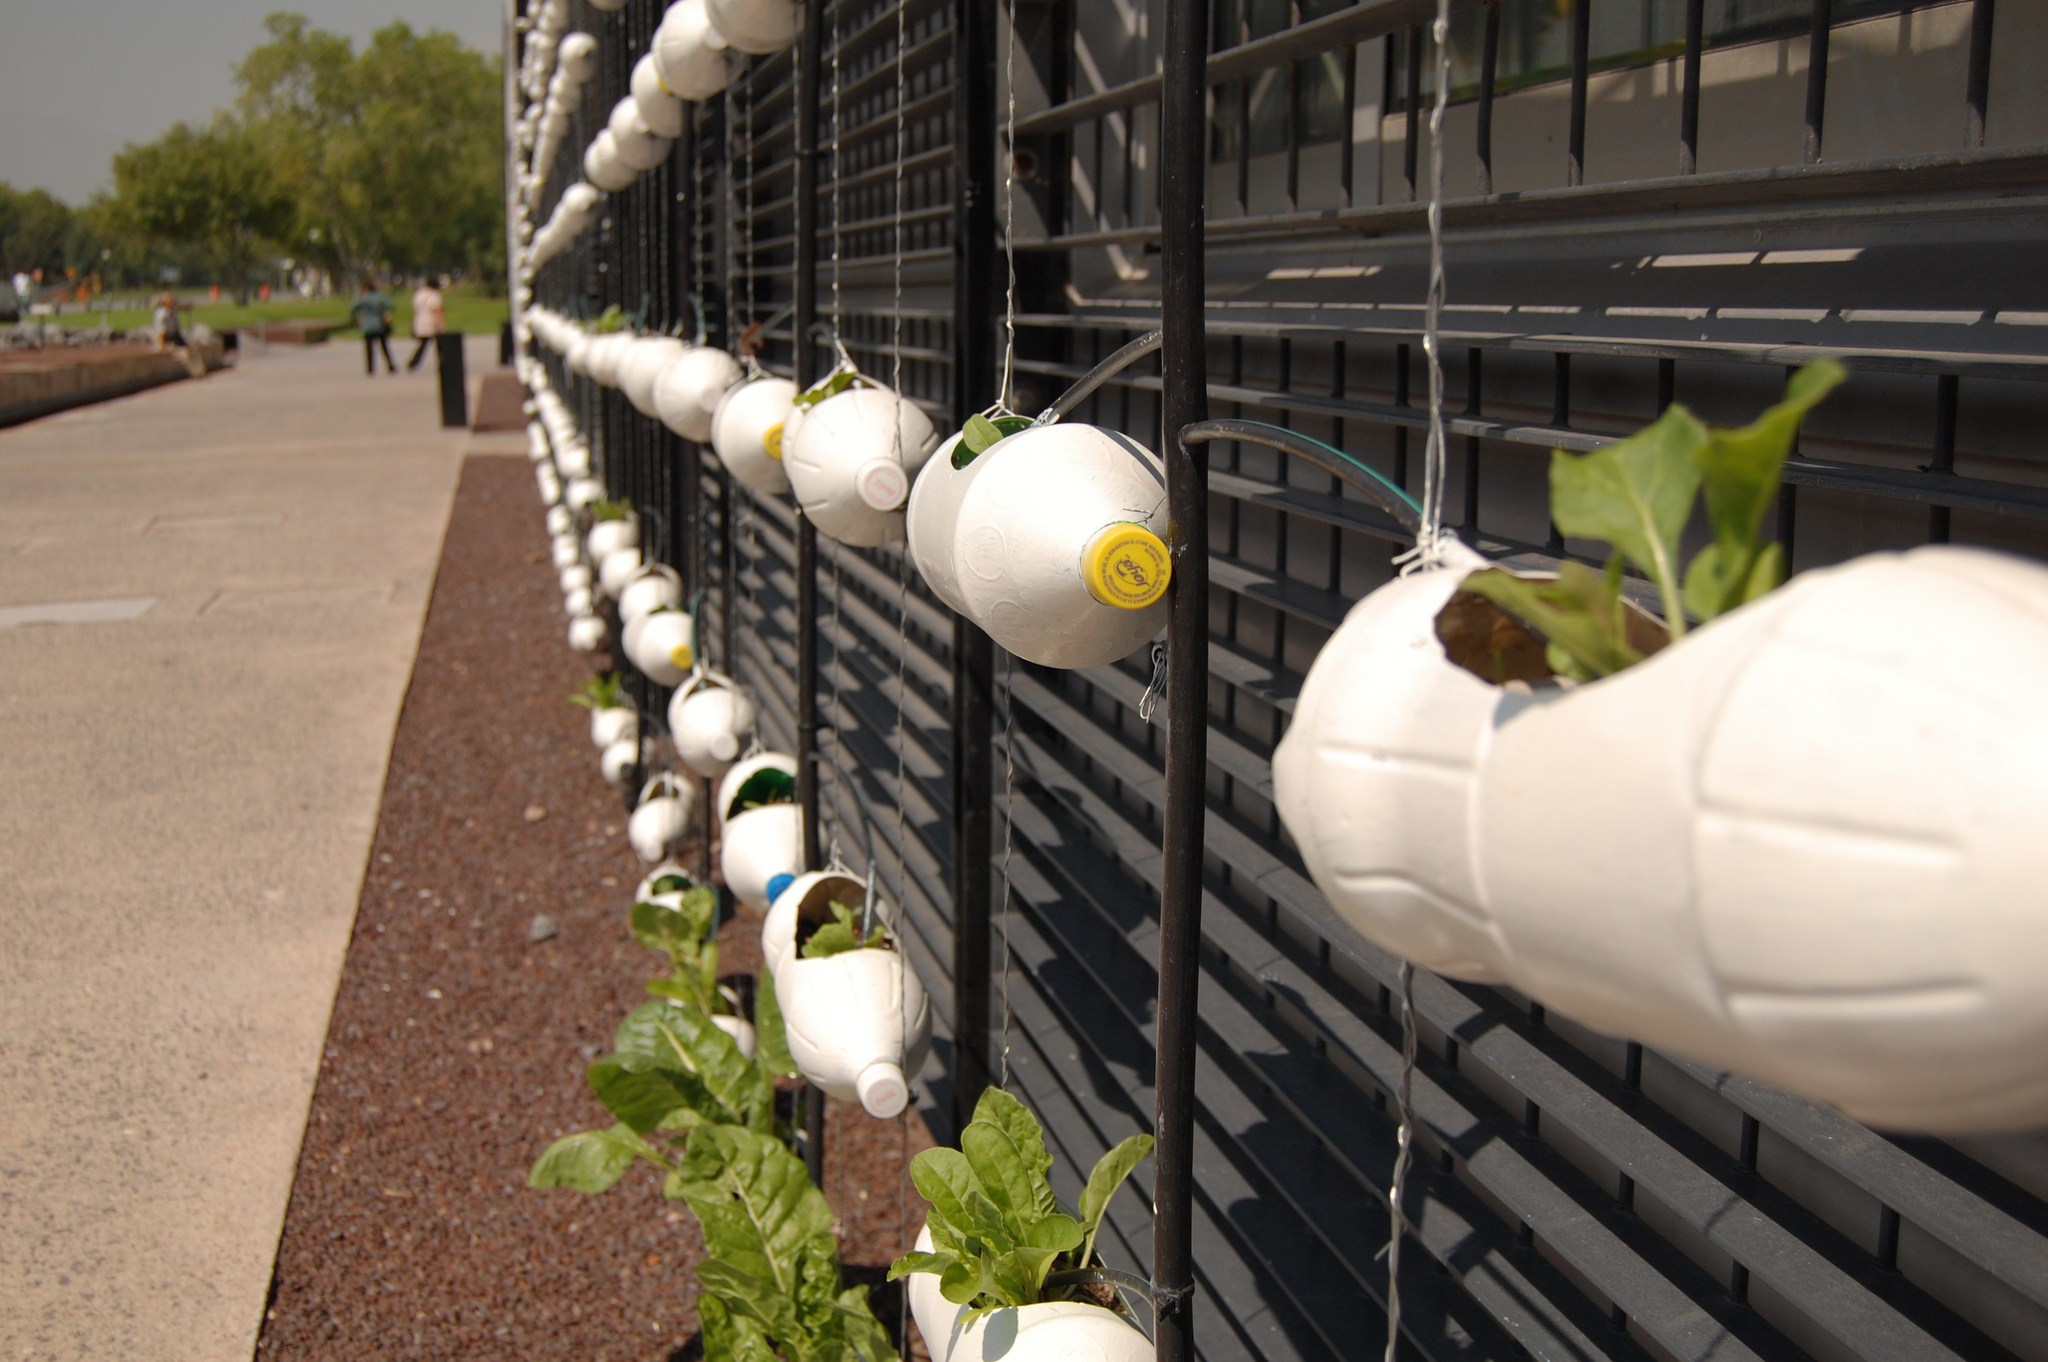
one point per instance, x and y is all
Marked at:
(210, 598)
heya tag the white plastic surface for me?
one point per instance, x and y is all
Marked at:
(607, 537)
(613, 723)
(1059, 1331)
(586, 633)
(688, 389)
(615, 569)
(661, 111)
(618, 761)
(662, 817)
(710, 720)
(740, 427)
(659, 644)
(730, 784)
(1802, 844)
(850, 467)
(643, 367)
(757, 27)
(1003, 540)
(758, 845)
(602, 166)
(652, 587)
(689, 57)
(850, 1017)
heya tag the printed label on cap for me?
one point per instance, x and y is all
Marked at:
(883, 485)
(1126, 566)
(771, 440)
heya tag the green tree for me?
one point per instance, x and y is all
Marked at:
(41, 232)
(215, 190)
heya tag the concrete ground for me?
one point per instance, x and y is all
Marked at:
(210, 598)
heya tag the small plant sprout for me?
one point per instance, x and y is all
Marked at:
(1636, 496)
(605, 508)
(843, 934)
(600, 692)
(1000, 1237)
(831, 385)
(981, 432)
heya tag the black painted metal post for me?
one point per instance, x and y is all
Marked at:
(975, 376)
(809, 51)
(1184, 133)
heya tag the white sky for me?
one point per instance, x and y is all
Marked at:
(78, 78)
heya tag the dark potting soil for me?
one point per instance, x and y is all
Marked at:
(457, 1046)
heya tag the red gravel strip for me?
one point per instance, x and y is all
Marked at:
(457, 1045)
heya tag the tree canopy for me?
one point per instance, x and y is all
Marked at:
(387, 159)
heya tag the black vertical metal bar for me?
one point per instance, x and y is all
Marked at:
(1402, 382)
(1348, 172)
(1489, 67)
(1582, 31)
(1978, 96)
(1689, 98)
(809, 51)
(975, 376)
(1474, 378)
(1183, 130)
(1561, 418)
(1946, 391)
(1412, 45)
(1788, 508)
(1817, 77)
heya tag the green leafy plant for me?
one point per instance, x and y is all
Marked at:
(606, 509)
(611, 319)
(1636, 496)
(770, 785)
(1000, 1237)
(981, 432)
(686, 934)
(772, 1267)
(831, 385)
(843, 934)
(600, 692)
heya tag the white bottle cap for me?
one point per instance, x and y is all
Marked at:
(882, 1091)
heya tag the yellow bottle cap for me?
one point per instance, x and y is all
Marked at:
(771, 440)
(1126, 566)
(682, 657)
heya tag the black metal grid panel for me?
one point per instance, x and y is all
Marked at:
(1578, 1196)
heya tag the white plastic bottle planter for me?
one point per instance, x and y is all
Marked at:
(550, 484)
(661, 819)
(660, 644)
(606, 354)
(616, 569)
(1802, 843)
(850, 471)
(643, 367)
(667, 878)
(640, 147)
(613, 723)
(602, 166)
(619, 761)
(1056, 1331)
(757, 847)
(582, 493)
(579, 601)
(710, 719)
(586, 633)
(740, 1029)
(661, 111)
(566, 552)
(687, 392)
(858, 1022)
(607, 537)
(757, 27)
(560, 521)
(764, 777)
(572, 457)
(747, 430)
(577, 355)
(655, 585)
(690, 57)
(1050, 541)
(575, 577)
(576, 57)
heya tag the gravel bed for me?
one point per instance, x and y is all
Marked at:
(458, 1040)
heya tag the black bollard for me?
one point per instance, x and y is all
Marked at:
(505, 345)
(454, 384)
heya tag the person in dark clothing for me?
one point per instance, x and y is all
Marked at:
(372, 312)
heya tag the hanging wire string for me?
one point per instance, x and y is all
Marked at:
(902, 675)
(837, 242)
(1009, 840)
(1009, 209)
(1428, 543)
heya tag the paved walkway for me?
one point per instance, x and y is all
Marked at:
(210, 597)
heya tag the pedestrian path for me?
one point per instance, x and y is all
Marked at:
(210, 598)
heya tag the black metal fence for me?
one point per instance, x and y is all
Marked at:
(1648, 202)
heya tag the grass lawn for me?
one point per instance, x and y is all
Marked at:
(470, 311)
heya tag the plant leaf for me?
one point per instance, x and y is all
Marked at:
(1635, 494)
(999, 1167)
(685, 927)
(730, 1338)
(1579, 613)
(661, 1035)
(978, 434)
(1058, 1232)
(592, 1160)
(936, 1263)
(1000, 1109)
(760, 1214)
(771, 1036)
(1109, 1173)
(961, 1283)
(865, 1338)
(752, 1297)
(945, 1179)
(645, 1098)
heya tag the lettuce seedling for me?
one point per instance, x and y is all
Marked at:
(999, 1234)
(1636, 496)
(842, 934)
(831, 385)
(604, 508)
(600, 692)
(981, 432)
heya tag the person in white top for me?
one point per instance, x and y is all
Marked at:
(429, 319)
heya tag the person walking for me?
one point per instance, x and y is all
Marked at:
(429, 318)
(372, 312)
